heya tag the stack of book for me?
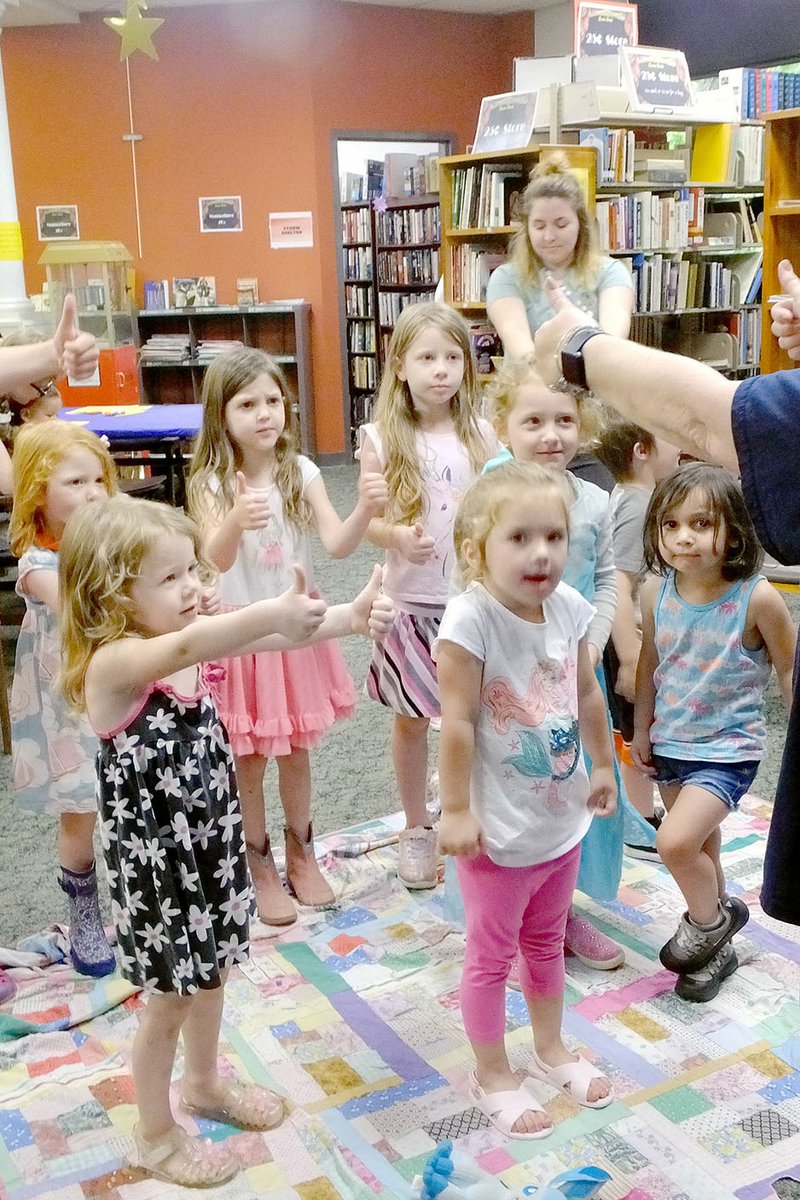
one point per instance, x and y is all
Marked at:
(211, 348)
(471, 266)
(164, 348)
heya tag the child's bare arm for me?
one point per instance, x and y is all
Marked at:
(42, 584)
(119, 671)
(341, 537)
(460, 675)
(770, 616)
(370, 614)
(645, 705)
(595, 736)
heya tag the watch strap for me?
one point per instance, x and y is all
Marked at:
(573, 368)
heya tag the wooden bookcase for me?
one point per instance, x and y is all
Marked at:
(282, 330)
(470, 252)
(781, 219)
(390, 259)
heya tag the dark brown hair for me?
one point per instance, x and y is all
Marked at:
(743, 555)
(615, 445)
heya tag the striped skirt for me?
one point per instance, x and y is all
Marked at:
(402, 674)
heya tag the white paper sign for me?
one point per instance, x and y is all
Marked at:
(290, 230)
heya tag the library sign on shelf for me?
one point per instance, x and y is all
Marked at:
(290, 230)
(656, 77)
(601, 27)
(57, 222)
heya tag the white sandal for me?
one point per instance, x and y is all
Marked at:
(573, 1079)
(504, 1108)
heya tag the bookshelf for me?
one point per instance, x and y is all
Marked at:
(177, 344)
(390, 259)
(693, 249)
(781, 219)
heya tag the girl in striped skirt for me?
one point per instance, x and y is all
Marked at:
(428, 443)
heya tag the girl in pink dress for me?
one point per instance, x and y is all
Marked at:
(257, 500)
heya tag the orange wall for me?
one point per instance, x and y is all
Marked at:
(242, 101)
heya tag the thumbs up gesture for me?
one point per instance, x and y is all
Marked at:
(413, 543)
(372, 613)
(76, 352)
(373, 492)
(250, 508)
(786, 313)
(300, 614)
(547, 337)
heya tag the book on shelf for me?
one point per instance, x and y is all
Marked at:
(156, 293)
(246, 291)
(351, 187)
(756, 90)
(210, 348)
(375, 174)
(395, 166)
(194, 291)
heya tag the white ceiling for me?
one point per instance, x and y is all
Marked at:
(67, 12)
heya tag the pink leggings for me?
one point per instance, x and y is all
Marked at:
(509, 908)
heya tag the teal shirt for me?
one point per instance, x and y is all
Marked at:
(505, 282)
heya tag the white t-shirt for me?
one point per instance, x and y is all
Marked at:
(529, 786)
(446, 473)
(264, 560)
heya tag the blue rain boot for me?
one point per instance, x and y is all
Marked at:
(89, 949)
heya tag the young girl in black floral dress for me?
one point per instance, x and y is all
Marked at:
(130, 578)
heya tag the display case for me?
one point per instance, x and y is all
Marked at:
(100, 274)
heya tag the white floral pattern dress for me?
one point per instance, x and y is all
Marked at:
(173, 842)
(53, 767)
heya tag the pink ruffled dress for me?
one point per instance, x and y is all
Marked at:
(278, 701)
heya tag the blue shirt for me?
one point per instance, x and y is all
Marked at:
(505, 282)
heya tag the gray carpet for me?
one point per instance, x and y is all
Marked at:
(352, 768)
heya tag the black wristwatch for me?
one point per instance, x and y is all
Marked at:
(573, 368)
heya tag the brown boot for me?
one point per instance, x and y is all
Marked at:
(275, 907)
(303, 875)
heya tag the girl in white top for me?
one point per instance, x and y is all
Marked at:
(257, 501)
(519, 696)
(429, 443)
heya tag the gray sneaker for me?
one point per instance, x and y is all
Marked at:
(690, 948)
(704, 984)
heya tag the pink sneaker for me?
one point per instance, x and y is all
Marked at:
(590, 946)
(513, 975)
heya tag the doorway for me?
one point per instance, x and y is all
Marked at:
(388, 233)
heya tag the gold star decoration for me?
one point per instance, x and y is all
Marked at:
(135, 31)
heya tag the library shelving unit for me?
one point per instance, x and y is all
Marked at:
(781, 218)
(390, 259)
(407, 240)
(694, 295)
(175, 374)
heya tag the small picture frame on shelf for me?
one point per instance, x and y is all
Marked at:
(657, 79)
(505, 122)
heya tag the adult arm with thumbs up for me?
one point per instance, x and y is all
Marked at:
(754, 429)
(68, 352)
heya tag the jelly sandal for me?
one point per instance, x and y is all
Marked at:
(245, 1105)
(184, 1160)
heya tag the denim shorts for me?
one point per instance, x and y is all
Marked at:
(727, 781)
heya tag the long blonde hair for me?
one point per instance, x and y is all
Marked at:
(38, 451)
(554, 180)
(211, 488)
(517, 373)
(101, 555)
(484, 500)
(397, 419)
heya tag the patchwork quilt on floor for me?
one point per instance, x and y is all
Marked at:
(353, 1014)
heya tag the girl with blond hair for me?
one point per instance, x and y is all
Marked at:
(429, 442)
(131, 576)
